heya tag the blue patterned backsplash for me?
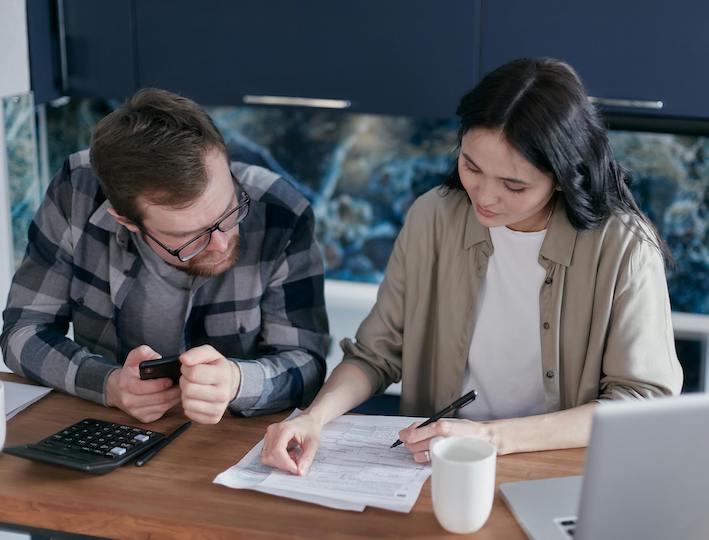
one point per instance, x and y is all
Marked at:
(362, 172)
(26, 189)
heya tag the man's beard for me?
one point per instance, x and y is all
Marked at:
(203, 264)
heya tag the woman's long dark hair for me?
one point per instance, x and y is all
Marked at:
(542, 109)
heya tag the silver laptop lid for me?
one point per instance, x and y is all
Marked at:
(647, 471)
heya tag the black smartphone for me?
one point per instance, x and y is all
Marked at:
(168, 366)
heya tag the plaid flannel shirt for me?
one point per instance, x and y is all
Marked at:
(266, 313)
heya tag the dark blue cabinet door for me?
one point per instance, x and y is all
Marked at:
(45, 60)
(98, 44)
(414, 57)
(652, 50)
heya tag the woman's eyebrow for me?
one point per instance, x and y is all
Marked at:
(506, 179)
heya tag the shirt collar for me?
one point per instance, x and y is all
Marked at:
(558, 245)
(559, 242)
(103, 220)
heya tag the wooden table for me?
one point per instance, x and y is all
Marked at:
(173, 496)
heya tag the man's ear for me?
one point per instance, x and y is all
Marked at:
(127, 223)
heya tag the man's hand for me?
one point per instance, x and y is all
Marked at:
(146, 401)
(209, 382)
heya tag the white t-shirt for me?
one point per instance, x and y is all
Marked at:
(504, 362)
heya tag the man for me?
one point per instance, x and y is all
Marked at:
(152, 245)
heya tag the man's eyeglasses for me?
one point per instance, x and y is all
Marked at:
(192, 248)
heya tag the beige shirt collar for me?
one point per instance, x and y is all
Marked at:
(558, 246)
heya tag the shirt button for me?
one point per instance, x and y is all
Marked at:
(548, 281)
(550, 374)
(546, 326)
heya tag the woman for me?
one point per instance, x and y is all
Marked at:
(531, 276)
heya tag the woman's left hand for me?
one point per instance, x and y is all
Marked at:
(418, 440)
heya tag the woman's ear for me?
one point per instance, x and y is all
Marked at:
(127, 223)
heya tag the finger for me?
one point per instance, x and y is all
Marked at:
(150, 414)
(202, 418)
(137, 355)
(214, 411)
(439, 427)
(210, 373)
(140, 387)
(202, 392)
(275, 453)
(422, 457)
(305, 459)
(200, 355)
(420, 446)
(139, 401)
(404, 433)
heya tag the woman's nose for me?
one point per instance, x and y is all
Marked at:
(486, 193)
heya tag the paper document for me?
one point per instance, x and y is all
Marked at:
(20, 396)
(353, 468)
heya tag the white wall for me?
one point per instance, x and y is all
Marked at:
(14, 79)
(14, 52)
(6, 252)
(348, 303)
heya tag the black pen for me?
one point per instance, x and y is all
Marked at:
(457, 404)
(148, 454)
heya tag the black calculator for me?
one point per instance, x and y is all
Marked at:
(93, 446)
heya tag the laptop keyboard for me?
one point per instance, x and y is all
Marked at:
(567, 525)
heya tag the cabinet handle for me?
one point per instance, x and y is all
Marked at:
(298, 101)
(632, 103)
(63, 64)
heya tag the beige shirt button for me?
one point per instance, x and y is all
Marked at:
(550, 374)
(546, 326)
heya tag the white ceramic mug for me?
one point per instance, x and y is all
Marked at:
(463, 482)
(3, 422)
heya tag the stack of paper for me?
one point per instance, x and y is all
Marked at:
(354, 467)
(20, 396)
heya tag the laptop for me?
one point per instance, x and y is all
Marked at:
(646, 477)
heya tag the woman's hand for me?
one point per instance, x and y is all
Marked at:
(291, 445)
(570, 428)
(418, 440)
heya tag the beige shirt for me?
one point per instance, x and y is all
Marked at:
(605, 322)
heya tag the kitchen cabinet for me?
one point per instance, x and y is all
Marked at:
(401, 57)
(97, 45)
(639, 52)
(413, 57)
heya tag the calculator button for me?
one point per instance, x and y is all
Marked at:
(141, 438)
(118, 451)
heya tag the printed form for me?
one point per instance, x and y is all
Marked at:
(353, 468)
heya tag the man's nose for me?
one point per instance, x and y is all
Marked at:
(219, 241)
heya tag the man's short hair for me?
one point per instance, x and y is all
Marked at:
(153, 146)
